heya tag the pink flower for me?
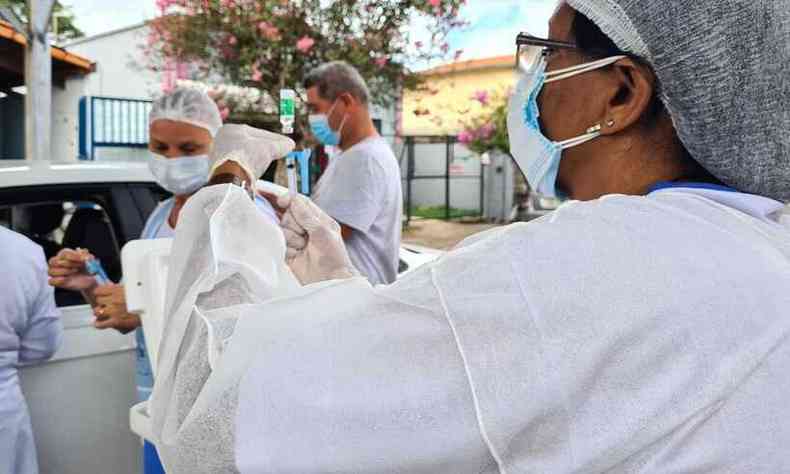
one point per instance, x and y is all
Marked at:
(153, 38)
(268, 30)
(481, 96)
(257, 75)
(435, 3)
(382, 61)
(228, 52)
(465, 137)
(163, 5)
(305, 44)
(486, 131)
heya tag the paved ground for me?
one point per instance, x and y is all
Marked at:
(440, 234)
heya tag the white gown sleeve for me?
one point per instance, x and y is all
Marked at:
(334, 377)
(43, 334)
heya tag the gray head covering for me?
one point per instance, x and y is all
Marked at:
(187, 105)
(724, 69)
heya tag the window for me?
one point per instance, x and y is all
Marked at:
(55, 225)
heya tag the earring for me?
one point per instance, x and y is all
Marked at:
(610, 123)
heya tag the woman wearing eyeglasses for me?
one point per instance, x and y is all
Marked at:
(642, 327)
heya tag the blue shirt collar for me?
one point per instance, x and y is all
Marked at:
(689, 185)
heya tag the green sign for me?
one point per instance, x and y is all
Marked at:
(287, 107)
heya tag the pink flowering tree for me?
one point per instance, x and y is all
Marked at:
(272, 44)
(487, 131)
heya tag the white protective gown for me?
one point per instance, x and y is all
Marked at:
(627, 334)
(30, 331)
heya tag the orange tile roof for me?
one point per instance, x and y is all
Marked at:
(58, 54)
(471, 65)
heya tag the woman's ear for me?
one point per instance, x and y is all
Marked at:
(635, 86)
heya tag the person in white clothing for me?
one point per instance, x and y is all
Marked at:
(642, 327)
(182, 126)
(361, 188)
(30, 331)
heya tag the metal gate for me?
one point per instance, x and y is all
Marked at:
(456, 182)
(112, 122)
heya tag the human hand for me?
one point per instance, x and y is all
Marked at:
(67, 270)
(314, 246)
(110, 309)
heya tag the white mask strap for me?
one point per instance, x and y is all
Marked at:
(561, 74)
(572, 142)
(342, 124)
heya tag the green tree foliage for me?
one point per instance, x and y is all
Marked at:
(67, 30)
(271, 44)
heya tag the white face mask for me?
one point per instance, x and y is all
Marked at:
(536, 155)
(180, 175)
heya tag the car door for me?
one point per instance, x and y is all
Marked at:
(79, 400)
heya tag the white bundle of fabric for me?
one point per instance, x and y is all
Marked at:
(226, 255)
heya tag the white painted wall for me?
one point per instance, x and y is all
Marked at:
(65, 119)
(120, 70)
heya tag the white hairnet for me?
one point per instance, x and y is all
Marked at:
(724, 69)
(190, 106)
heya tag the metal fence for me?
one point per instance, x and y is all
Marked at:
(442, 175)
(112, 122)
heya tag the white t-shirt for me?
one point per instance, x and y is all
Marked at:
(361, 188)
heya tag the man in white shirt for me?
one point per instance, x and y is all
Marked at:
(361, 188)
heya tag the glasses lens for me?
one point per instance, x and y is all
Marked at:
(529, 57)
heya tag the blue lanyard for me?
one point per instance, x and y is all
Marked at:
(689, 184)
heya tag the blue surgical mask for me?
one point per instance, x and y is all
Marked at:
(537, 156)
(319, 125)
(180, 175)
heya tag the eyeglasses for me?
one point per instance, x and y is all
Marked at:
(530, 49)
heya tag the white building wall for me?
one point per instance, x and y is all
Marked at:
(65, 119)
(120, 64)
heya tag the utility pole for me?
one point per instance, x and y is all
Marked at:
(38, 81)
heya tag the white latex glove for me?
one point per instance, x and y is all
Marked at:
(315, 249)
(252, 148)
